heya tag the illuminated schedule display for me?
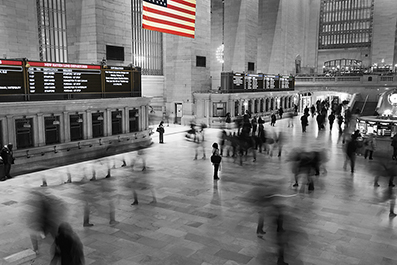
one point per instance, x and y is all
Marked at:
(117, 79)
(32, 80)
(11, 77)
(48, 78)
(242, 82)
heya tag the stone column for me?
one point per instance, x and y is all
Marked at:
(66, 127)
(11, 135)
(38, 130)
(126, 119)
(107, 122)
(88, 124)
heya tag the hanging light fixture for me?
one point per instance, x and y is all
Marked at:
(118, 116)
(56, 122)
(100, 118)
(27, 125)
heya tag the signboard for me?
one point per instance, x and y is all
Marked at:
(59, 78)
(238, 81)
(269, 82)
(118, 79)
(253, 81)
(11, 77)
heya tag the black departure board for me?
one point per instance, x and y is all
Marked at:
(254, 81)
(11, 77)
(59, 78)
(238, 81)
(117, 79)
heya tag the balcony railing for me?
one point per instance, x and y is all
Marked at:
(366, 79)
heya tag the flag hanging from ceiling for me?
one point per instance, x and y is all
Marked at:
(170, 16)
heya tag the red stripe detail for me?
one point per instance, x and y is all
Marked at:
(181, 10)
(184, 3)
(6, 62)
(63, 65)
(166, 22)
(168, 31)
(149, 9)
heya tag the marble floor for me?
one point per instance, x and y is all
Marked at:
(345, 220)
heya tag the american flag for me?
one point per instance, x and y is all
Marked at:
(170, 16)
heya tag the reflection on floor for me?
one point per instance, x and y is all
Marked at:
(345, 220)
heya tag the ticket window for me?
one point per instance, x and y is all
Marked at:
(219, 109)
(117, 127)
(97, 125)
(134, 120)
(52, 130)
(76, 127)
(24, 133)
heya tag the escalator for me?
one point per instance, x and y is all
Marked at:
(369, 107)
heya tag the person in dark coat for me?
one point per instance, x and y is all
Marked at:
(304, 122)
(313, 110)
(394, 145)
(161, 131)
(331, 119)
(7, 156)
(273, 119)
(280, 112)
(216, 160)
(350, 149)
(340, 122)
(67, 247)
(306, 111)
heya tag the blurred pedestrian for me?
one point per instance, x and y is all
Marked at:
(161, 131)
(313, 110)
(254, 124)
(340, 122)
(46, 215)
(141, 181)
(67, 247)
(280, 112)
(215, 160)
(273, 119)
(350, 150)
(369, 146)
(304, 122)
(331, 119)
(290, 119)
(394, 145)
(7, 156)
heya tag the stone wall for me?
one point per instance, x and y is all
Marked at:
(182, 76)
(19, 29)
(94, 24)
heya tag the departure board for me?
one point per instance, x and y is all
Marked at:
(238, 81)
(117, 79)
(59, 78)
(269, 82)
(254, 81)
(11, 77)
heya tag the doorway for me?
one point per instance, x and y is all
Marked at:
(178, 113)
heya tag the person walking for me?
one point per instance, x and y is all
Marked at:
(273, 119)
(215, 160)
(304, 122)
(7, 156)
(280, 112)
(331, 119)
(340, 122)
(68, 247)
(351, 148)
(394, 144)
(161, 131)
(369, 146)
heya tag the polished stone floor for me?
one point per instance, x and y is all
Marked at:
(345, 220)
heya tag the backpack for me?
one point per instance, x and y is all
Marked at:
(216, 159)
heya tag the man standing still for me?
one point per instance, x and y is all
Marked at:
(7, 156)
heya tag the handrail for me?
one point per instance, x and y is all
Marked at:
(79, 145)
(365, 102)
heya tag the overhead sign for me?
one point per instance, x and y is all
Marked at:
(11, 77)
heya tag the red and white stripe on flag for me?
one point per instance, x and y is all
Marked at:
(176, 17)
